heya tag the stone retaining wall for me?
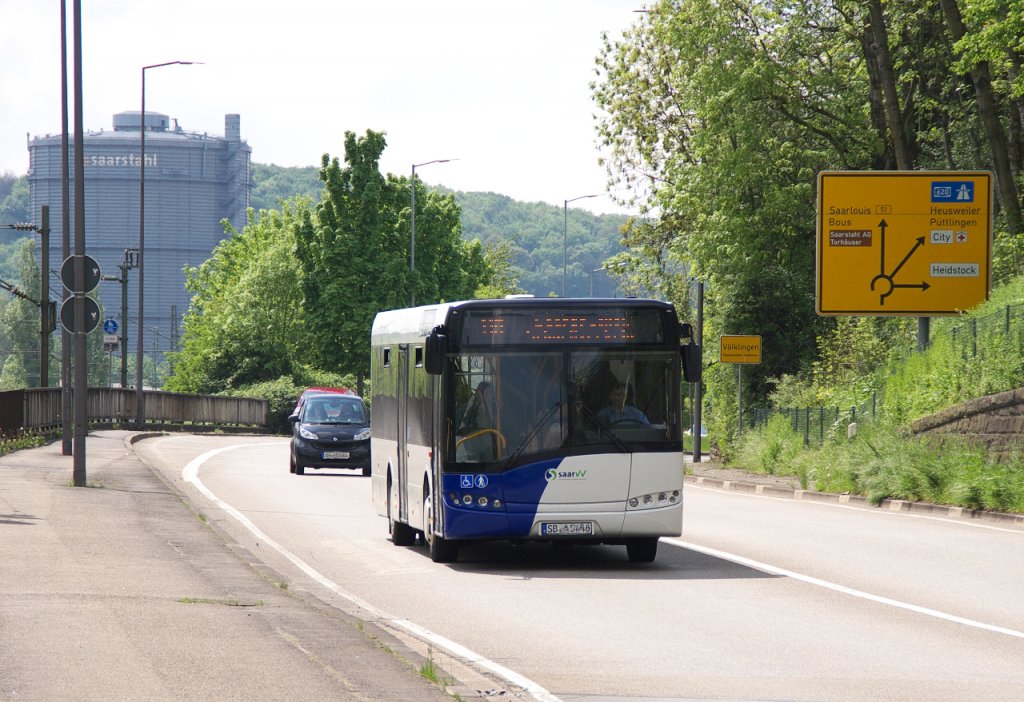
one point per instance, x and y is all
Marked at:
(997, 421)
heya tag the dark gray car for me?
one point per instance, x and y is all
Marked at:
(330, 430)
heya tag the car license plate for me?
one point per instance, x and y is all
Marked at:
(328, 455)
(567, 528)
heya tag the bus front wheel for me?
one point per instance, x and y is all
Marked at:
(441, 549)
(642, 550)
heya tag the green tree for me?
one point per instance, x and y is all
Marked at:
(504, 277)
(275, 185)
(721, 115)
(15, 202)
(246, 323)
(354, 254)
(717, 117)
(20, 325)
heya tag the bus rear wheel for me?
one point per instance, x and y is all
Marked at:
(401, 534)
(642, 550)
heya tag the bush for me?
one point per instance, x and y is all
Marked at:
(10, 444)
(771, 449)
(283, 393)
(280, 394)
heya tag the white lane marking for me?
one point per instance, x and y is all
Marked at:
(810, 580)
(878, 511)
(190, 474)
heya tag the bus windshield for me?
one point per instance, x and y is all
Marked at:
(511, 408)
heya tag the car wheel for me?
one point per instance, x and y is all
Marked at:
(300, 470)
(367, 472)
(291, 463)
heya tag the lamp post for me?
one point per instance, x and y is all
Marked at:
(607, 267)
(139, 396)
(45, 314)
(412, 225)
(565, 234)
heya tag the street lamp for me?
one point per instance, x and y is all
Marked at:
(139, 396)
(45, 314)
(606, 267)
(412, 226)
(565, 233)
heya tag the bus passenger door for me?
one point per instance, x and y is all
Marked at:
(403, 433)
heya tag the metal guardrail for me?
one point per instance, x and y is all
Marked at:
(39, 410)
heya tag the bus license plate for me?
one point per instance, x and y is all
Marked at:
(328, 455)
(567, 529)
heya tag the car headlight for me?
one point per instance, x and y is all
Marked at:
(307, 434)
(363, 435)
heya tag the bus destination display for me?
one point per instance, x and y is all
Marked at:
(562, 327)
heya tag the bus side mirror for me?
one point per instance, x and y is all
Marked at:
(691, 354)
(435, 351)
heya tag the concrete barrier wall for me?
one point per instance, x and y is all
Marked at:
(997, 421)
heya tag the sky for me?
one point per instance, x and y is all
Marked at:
(498, 87)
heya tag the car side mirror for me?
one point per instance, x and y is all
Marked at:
(294, 417)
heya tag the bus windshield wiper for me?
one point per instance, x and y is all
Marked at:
(604, 429)
(533, 430)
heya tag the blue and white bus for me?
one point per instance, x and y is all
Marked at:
(530, 419)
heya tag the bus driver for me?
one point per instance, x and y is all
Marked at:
(617, 411)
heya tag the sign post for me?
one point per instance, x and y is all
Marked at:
(741, 350)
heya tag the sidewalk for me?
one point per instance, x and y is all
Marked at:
(118, 591)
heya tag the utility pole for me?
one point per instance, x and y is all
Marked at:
(131, 260)
(46, 315)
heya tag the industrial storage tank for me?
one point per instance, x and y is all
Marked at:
(193, 181)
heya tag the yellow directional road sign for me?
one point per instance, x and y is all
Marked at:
(915, 243)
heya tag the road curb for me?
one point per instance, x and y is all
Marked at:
(907, 506)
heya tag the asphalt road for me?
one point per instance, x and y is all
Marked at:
(761, 599)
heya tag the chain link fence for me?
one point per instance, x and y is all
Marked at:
(968, 338)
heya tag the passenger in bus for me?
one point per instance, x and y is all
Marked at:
(617, 411)
(477, 412)
(475, 431)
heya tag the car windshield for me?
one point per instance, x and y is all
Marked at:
(334, 410)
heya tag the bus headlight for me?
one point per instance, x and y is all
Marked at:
(482, 501)
(655, 499)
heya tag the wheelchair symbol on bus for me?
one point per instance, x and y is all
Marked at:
(469, 481)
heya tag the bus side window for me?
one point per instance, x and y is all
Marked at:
(387, 358)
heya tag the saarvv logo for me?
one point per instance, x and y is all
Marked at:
(555, 474)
